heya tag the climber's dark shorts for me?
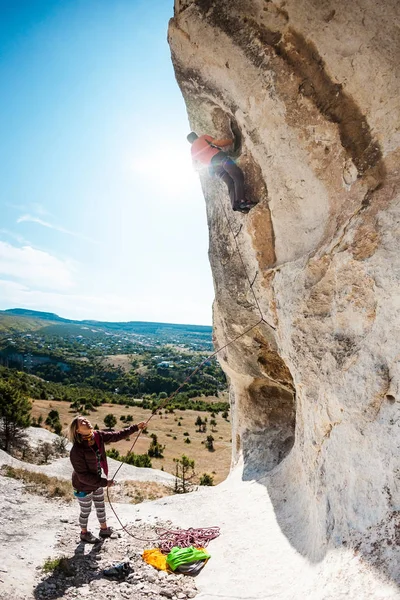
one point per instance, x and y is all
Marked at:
(218, 163)
(223, 167)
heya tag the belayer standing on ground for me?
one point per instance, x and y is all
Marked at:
(207, 151)
(89, 460)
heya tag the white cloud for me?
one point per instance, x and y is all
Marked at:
(32, 219)
(35, 267)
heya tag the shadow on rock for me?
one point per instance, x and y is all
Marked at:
(75, 571)
(312, 527)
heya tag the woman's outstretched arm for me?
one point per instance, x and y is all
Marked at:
(116, 436)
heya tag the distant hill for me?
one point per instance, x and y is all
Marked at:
(35, 314)
(14, 323)
(21, 319)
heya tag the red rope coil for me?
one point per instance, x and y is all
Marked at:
(184, 538)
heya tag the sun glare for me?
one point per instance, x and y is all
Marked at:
(168, 167)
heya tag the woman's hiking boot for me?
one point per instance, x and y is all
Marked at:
(89, 538)
(106, 532)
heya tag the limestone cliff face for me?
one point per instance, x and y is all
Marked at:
(310, 89)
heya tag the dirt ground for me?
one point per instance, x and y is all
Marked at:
(165, 426)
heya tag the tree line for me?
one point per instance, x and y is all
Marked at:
(87, 397)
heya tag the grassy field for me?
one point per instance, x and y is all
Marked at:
(165, 426)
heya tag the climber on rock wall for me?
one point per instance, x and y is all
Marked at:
(206, 152)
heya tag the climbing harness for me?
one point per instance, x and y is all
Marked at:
(196, 534)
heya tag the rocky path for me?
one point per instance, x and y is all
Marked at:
(81, 573)
(28, 529)
(34, 529)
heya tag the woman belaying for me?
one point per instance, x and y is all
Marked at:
(88, 458)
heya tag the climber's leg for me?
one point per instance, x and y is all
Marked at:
(98, 500)
(218, 170)
(85, 505)
(227, 179)
(237, 176)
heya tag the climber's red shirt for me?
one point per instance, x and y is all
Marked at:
(202, 151)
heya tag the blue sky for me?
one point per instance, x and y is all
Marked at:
(102, 215)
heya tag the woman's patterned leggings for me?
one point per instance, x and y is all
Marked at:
(85, 504)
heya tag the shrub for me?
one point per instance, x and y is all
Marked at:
(110, 421)
(206, 479)
(210, 443)
(46, 450)
(38, 422)
(53, 421)
(113, 453)
(53, 415)
(60, 564)
(137, 460)
(57, 428)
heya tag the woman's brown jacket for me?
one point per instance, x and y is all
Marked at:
(85, 477)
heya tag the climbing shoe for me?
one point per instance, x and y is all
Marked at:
(246, 206)
(89, 538)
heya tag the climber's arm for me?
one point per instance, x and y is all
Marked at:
(222, 143)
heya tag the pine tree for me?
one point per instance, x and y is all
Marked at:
(183, 466)
(155, 450)
(53, 421)
(15, 410)
(199, 423)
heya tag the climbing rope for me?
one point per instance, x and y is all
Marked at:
(251, 283)
(184, 538)
(201, 536)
